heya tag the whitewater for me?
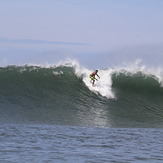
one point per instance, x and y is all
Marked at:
(104, 85)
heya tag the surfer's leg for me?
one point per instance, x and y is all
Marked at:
(93, 82)
(91, 79)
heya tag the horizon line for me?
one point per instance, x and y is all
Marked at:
(33, 41)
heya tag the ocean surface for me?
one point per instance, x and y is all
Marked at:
(53, 114)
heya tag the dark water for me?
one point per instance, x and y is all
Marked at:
(50, 115)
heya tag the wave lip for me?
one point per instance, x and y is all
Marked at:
(137, 82)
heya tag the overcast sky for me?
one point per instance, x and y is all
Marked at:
(53, 29)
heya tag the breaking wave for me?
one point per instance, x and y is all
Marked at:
(63, 94)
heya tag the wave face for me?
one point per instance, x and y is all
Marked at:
(63, 95)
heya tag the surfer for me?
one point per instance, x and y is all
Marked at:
(92, 76)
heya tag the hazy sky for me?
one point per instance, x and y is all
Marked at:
(32, 29)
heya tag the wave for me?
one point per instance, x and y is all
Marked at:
(63, 94)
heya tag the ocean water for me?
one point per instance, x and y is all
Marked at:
(53, 114)
(52, 143)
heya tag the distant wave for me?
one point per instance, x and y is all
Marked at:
(63, 94)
